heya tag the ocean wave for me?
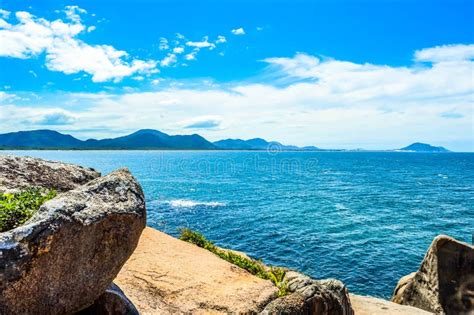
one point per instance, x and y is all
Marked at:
(184, 203)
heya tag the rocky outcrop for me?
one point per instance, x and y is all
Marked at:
(310, 296)
(112, 302)
(444, 284)
(69, 252)
(168, 276)
(21, 172)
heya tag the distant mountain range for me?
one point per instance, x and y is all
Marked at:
(148, 139)
(145, 139)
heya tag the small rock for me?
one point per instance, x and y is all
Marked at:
(112, 302)
(322, 297)
(290, 304)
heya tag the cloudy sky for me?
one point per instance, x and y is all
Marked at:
(335, 74)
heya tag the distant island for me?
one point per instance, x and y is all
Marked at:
(149, 139)
(423, 147)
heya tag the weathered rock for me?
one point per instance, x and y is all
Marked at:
(444, 284)
(112, 302)
(293, 303)
(168, 276)
(368, 305)
(69, 252)
(21, 172)
(325, 297)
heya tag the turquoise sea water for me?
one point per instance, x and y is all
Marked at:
(365, 218)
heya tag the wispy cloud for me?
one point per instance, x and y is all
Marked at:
(163, 44)
(445, 53)
(55, 119)
(202, 122)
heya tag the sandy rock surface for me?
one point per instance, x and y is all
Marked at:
(165, 275)
(367, 305)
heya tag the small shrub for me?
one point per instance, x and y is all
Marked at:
(255, 267)
(16, 209)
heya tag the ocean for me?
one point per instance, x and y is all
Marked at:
(366, 218)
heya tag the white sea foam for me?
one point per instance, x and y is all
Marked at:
(183, 203)
(340, 206)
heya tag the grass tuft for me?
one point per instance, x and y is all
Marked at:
(17, 208)
(255, 267)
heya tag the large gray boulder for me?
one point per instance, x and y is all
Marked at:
(18, 172)
(444, 284)
(69, 252)
(310, 296)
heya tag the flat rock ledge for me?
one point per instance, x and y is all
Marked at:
(18, 172)
(69, 252)
(368, 305)
(168, 276)
(444, 283)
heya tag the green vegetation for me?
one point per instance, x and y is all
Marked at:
(16, 209)
(255, 267)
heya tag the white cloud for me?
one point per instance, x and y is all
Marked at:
(4, 14)
(5, 96)
(103, 62)
(445, 53)
(190, 56)
(4, 24)
(259, 28)
(73, 13)
(32, 36)
(221, 39)
(169, 60)
(238, 31)
(163, 44)
(202, 44)
(155, 82)
(91, 29)
(178, 50)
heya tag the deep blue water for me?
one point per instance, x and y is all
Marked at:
(365, 218)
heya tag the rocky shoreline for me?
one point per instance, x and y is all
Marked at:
(87, 251)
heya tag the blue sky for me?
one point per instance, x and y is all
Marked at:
(346, 74)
